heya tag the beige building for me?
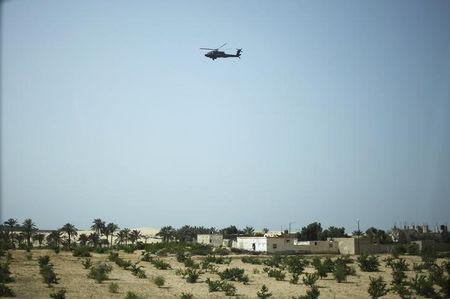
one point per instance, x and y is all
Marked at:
(215, 240)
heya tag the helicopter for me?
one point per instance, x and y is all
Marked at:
(215, 53)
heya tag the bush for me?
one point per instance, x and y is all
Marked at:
(251, 260)
(377, 287)
(29, 256)
(234, 274)
(113, 287)
(295, 264)
(312, 293)
(294, 279)
(102, 250)
(401, 290)
(61, 294)
(5, 291)
(191, 275)
(340, 272)
(5, 273)
(214, 285)
(228, 288)
(310, 279)
(423, 286)
(428, 257)
(160, 264)
(131, 295)
(43, 260)
(137, 270)
(189, 263)
(100, 272)
(412, 249)
(49, 275)
(398, 250)
(277, 274)
(181, 257)
(186, 296)
(264, 292)
(217, 286)
(368, 263)
(217, 260)
(87, 263)
(81, 251)
(274, 261)
(159, 281)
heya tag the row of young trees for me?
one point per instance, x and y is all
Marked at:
(22, 235)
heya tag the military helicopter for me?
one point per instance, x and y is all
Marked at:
(215, 53)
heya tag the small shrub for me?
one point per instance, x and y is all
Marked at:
(377, 287)
(186, 296)
(310, 279)
(131, 295)
(251, 260)
(160, 264)
(264, 292)
(100, 272)
(181, 257)
(255, 271)
(228, 288)
(398, 250)
(368, 263)
(5, 291)
(113, 287)
(277, 274)
(29, 256)
(43, 260)
(423, 286)
(412, 249)
(295, 264)
(214, 285)
(81, 251)
(48, 274)
(101, 250)
(137, 270)
(340, 272)
(191, 275)
(294, 279)
(312, 293)
(234, 274)
(159, 281)
(5, 273)
(87, 263)
(61, 294)
(402, 291)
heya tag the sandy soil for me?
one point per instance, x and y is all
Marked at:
(73, 277)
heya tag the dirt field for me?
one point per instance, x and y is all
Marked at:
(73, 277)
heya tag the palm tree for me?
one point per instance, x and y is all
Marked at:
(94, 239)
(11, 224)
(111, 228)
(135, 235)
(39, 237)
(83, 239)
(167, 233)
(122, 236)
(54, 238)
(70, 230)
(248, 231)
(29, 229)
(98, 226)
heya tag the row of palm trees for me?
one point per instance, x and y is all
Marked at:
(13, 233)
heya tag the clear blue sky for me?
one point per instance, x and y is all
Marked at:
(337, 110)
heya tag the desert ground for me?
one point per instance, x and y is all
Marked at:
(73, 277)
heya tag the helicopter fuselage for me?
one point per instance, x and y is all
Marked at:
(221, 54)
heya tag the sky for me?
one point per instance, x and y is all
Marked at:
(336, 111)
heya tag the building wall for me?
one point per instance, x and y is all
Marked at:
(257, 244)
(331, 247)
(213, 240)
